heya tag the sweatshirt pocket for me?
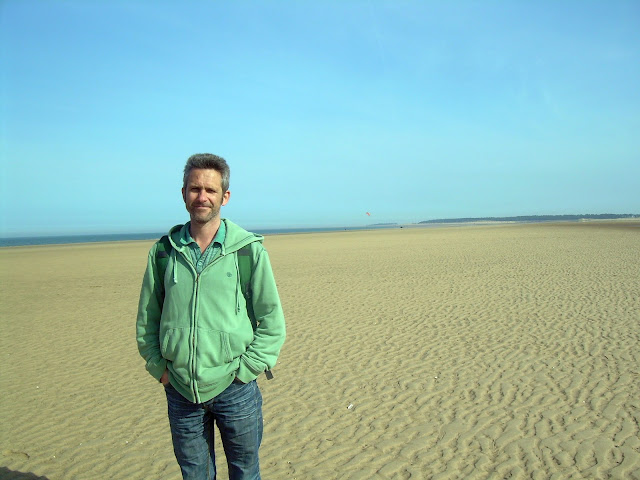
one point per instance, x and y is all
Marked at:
(175, 349)
(214, 349)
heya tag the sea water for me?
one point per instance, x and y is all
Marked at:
(120, 237)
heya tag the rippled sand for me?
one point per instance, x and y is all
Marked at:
(496, 351)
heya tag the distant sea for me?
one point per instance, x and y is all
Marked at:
(121, 237)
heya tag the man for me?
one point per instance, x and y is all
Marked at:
(195, 331)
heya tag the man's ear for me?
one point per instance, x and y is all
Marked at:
(225, 197)
(183, 196)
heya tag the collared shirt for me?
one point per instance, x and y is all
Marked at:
(202, 259)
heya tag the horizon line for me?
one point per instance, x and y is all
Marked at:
(270, 230)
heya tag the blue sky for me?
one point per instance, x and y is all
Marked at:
(410, 110)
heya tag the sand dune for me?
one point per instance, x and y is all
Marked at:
(497, 351)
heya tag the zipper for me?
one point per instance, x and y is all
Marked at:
(193, 324)
(193, 339)
(194, 315)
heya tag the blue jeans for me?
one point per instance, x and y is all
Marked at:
(237, 412)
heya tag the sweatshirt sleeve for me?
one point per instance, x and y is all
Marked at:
(269, 336)
(148, 321)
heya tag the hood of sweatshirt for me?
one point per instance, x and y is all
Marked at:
(236, 237)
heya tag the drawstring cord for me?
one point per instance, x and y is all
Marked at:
(175, 267)
(238, 286)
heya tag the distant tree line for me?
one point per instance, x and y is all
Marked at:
(536, 218)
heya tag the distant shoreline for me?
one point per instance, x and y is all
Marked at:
(123, 237)
(537, 218)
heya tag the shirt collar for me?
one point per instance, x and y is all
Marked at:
(186, 238)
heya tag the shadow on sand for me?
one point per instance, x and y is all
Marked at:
(6, 474)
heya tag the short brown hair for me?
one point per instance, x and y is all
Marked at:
(208, 160)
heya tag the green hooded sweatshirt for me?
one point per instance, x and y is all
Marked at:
(200, 330)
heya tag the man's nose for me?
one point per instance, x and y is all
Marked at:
(202, 195)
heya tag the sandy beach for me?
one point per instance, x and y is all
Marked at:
(475, 352)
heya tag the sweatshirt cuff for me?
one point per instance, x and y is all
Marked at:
(246, 374)
(157, 369)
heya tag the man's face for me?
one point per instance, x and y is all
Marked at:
(203, 195)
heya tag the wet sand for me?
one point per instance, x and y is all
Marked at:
(493, 351)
